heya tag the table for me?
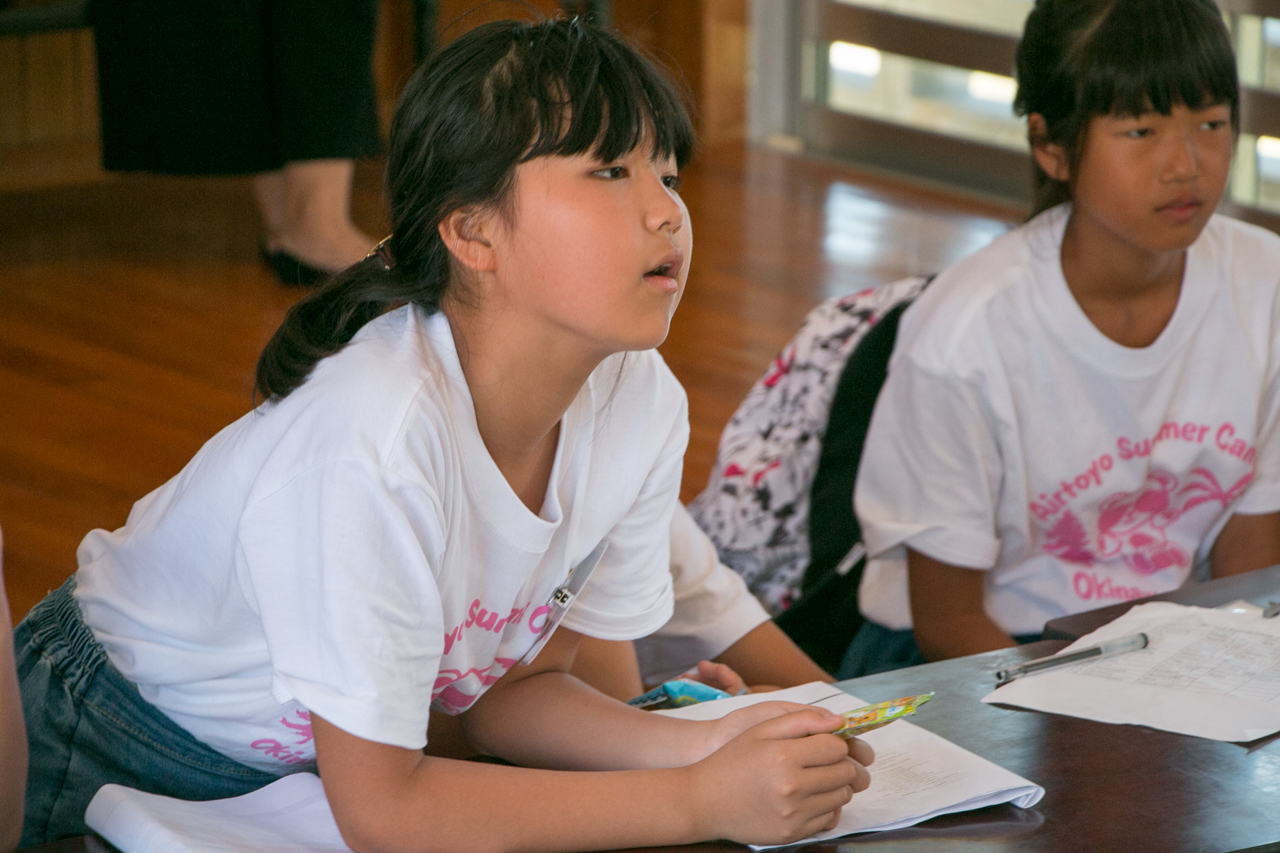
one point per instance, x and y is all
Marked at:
(1108, 788)
(1260, 587)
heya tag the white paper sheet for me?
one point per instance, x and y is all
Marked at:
(1208, 673)
(916, 775)
(288, 816)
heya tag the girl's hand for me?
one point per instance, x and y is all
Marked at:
(719, 676)
(780, 780)
(720, 732)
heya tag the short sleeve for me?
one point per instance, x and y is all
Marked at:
(713, 608)
(339, 560)
(930, 474)
(629, 593)
(1263, 495)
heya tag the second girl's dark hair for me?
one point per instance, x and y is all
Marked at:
(498, 96)
(1083, 58)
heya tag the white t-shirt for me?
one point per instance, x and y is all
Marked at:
(352, 550)
(1013, 436)
(713, 607)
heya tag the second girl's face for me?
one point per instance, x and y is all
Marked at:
(1152, 181)
(597, 250)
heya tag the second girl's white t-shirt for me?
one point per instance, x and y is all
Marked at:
(353, 551)
(1013, 436)
(713, 608)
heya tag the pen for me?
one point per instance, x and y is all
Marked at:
(1131, 643)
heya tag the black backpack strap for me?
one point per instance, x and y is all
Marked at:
(826, 617)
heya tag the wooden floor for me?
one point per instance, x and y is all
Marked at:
(132, 312)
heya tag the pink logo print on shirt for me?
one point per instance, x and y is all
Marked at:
(485, 620)
(275, 749)
(450, 693)
(1131, 525)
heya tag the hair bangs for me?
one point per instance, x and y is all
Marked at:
(591, 95)
(1153, 56)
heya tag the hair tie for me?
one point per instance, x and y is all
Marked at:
(383, 252)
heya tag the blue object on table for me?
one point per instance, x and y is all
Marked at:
(676, 694)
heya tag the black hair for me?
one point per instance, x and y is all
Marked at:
(500, 95)
(1083, 58)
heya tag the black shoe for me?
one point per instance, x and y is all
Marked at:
(291, 271)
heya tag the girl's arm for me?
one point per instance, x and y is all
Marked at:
(13, 733)
(763, 657)
(947, 610)
(757, 776)
(766, 655)
(609, 666)
(1247, 542)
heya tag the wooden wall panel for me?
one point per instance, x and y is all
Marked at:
(392, 56)
(724, 70)
(12, 100)
(48, 110)
(49, 78)
(49, 101)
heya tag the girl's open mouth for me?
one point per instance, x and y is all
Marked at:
(663, 276)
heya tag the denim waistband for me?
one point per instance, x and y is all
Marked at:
(68, 646)
(88, 725)
(57, 626)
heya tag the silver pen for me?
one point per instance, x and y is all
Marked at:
(1118, 646)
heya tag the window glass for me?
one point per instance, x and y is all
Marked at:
(997, 16)
(944, 99)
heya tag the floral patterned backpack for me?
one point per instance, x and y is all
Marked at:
(779, 504)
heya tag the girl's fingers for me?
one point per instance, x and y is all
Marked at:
(720, 676)
(733, 725)
(842, 776)
(862, 778)
(861, 752)
(797, 721)
(825, 810)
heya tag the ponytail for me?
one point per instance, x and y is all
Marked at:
(324, 322)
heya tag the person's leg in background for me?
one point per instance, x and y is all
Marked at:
(320, 55)
(278, 89)
(306, 210)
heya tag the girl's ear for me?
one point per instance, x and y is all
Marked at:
(1052, 157)
(468, 235)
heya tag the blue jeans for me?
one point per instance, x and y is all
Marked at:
(876, 648)
(87, 725)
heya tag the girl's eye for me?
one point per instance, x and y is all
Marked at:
(613, 173)
(672, 182)
(1138, 132)
(1214, 124)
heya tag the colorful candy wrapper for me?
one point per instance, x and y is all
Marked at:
(862, 720)
(676, 694)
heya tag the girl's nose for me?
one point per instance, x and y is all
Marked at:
(665, 210)
(1184, 159)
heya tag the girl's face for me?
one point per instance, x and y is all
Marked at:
(598, 250)
(1152, 181)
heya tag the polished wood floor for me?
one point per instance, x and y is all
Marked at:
(132, 312)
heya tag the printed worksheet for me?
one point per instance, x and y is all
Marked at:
(917, 774)
(1208, 673)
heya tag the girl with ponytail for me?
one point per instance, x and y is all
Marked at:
(466, 457)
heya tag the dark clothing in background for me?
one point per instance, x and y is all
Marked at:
(234, 86)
